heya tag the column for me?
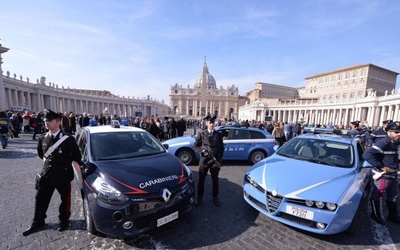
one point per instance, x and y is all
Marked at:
(383, 114)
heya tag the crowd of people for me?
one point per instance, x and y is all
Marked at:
(165, 127)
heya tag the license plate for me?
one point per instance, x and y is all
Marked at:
(164, 220)
(300, 212)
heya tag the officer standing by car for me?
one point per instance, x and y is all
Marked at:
(379, 133)
(383, 157)
(210, 146)
(57, 172)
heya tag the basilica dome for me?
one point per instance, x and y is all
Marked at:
(210, 81)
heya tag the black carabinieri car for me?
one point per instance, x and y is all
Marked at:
(130, 183)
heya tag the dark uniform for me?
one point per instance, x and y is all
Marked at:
(360, 132)
(384, 154)
(378, 134)
(57, 174)
(209, 161)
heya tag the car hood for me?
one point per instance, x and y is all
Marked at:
(144, 175)
(298, 179)
(183, 140)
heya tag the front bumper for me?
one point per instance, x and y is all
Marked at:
(334, 221)
(138, 215)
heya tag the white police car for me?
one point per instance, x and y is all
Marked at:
(129, 183)
(314, 182)
(241, 143)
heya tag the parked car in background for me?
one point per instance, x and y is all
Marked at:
(129, 183)
(241, 143)
(314, 182)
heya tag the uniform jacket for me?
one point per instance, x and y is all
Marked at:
(58, 165)
(383, 154)
(376, 135)
(216, 143)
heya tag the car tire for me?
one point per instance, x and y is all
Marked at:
(256, 156)
(88, 218)
(185, 155)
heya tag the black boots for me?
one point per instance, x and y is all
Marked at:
(376, 212)
(36, 226)
(63, 226)
(393, 214)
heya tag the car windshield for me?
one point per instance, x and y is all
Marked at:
(325, 152)
(123, 145)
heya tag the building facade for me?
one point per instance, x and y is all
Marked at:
(17, 92)
(362, 92)
(205, 98)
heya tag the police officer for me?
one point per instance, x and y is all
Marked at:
(57, 172)
(211, 148)
(359, 131)
(383, 157)
(379, 133)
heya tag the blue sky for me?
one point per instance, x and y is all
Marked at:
(139, 48)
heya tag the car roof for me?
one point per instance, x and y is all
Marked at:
(110, 129)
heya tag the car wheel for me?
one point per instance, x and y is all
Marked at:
(88, 218)
(186, 156)
(256, 156)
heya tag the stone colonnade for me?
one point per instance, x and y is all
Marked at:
(36, 97)
(374, 110)
(195, 108)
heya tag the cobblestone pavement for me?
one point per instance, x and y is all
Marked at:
(233, 225)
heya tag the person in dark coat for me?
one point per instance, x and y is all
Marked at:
(384, 158)
(172, 127)
(154, 130)
(57, 172)
(379, 133)
(181, 126)
(209, 144)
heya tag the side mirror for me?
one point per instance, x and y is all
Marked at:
(166, 146)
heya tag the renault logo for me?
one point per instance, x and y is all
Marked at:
(166, 194)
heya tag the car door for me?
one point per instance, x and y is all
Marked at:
(237, 144)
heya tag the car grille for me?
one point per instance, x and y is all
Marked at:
(273, 202)
(257, 202)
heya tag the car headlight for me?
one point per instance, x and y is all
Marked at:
(319, 204)
(190, 174)
(248, 179)
(331, 206)
(107, 193)
(309, 203)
